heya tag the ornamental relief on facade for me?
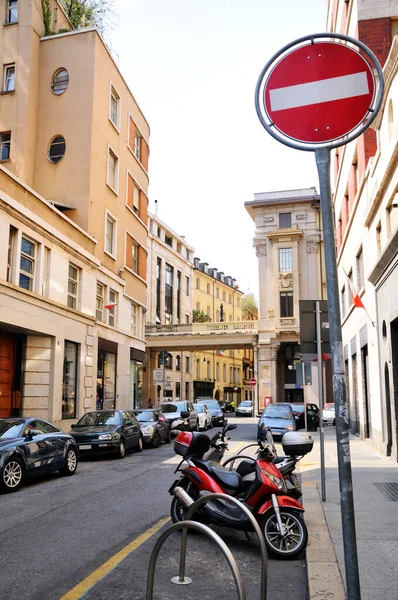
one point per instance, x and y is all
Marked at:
(271, 313)
(261, 248)
(267, 220)
(301, 217)
(288, 322)
(312, 244)
(285, 280)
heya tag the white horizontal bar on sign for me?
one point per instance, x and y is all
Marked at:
(315, 92)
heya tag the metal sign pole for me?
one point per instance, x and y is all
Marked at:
(305, 405)
(322, 157)
(320, 398)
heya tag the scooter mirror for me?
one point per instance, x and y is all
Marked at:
(231, 427)
(184, 414)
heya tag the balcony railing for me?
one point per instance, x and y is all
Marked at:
(229, 327)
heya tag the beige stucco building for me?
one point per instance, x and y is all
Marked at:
(73, 135)
(288, 243)
(365, 183)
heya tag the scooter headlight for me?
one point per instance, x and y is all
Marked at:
(279, 482)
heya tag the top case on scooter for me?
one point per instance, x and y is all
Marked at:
(191, 444)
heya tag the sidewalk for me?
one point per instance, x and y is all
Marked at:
(376, 520)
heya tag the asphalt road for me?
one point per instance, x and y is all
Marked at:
(57, 532)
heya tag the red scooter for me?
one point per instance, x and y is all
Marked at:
(278, 514)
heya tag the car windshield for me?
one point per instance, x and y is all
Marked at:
(246, 403)
(175, 407)
(330, 408)
(199, 408)
(145, 415)
(277, 412)
(212, 404)
(100, 418)
(10, 429)
(298, 408)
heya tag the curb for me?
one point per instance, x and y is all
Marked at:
(324, 577)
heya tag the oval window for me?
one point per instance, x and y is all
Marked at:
(60, 81)
(57, 149)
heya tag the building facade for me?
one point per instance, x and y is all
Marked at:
(91, 166)
(288, 243)
(169, 302)
(364, 177)
(218, 298)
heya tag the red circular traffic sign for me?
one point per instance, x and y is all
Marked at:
(319, 92)
(253, 381)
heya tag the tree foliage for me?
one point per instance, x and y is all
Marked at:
(249, 308)
(198, 316)
(90, 13)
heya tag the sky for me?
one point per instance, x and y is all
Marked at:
(192, 66)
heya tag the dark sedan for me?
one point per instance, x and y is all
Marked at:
(217, 415)
(33, 447)
(154, 426)
(298, 411)
(108, 431)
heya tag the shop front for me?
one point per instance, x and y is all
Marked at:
(137, 365)
(106, 374)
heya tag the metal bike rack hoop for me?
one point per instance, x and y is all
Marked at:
(264, 563)
(185, 525)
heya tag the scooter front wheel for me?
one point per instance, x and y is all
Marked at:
(295, 534)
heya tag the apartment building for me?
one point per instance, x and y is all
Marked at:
(289, 247)
(169, 302)
(73, 136)
(218, 298)
(364, 178)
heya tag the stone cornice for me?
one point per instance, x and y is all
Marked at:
(285, 235)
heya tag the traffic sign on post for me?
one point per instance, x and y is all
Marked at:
(319, 92)
(253, 381)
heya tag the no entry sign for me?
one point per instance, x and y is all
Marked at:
(253, 381)
(319, 92)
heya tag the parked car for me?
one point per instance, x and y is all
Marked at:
(217, 415)
(172, 411)
(33, 447)
(329, 414)
(108, 432)
(154, 426)
(279, 417)
(298, 411)
(245, 409)
(205, 420)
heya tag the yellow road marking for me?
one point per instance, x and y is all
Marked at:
(94, 577)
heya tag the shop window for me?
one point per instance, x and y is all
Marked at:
(106, 380)
(69, 381)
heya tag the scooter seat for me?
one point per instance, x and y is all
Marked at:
(229, 480)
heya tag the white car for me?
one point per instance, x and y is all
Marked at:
(204, 416)
(245, 409)
(329, 414)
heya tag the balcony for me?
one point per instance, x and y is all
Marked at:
(230, 327)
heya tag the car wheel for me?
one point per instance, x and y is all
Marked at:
(70, 463)
(121, 453)
(156, 441)
(140, 445)
(12, 475)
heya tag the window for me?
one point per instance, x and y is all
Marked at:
(168, 296)
(179, 247)
(136, 199)
(197, 368)
(69, 381)
(113, 170)
(224, 372)
(137, 145)
(187, 285)
(208, 311)
(286, 304)
(178, 362)
(187, 390)
(73, 286)
(285, 260)
(178, 295)
(285, 220)
(378, 239)
(351, 296)
(198, 306)
(217, 292)
(12, 11)
(99, 312)
(198, 284)
(187, 253)
(230, 299)
(343, 303)
(134, 319)
(218, 371)
(134, 256)
(110, 234)
(112, 307)
(360, 276)
(27, 264)
(60, 81)
(5, 145)
(208, 288)
(187, 364)
(10, 255)
(9, 78)
(158, 288)
(114, 108)
(208, 371)
(223, 296)
(168, 240)
(57, 149)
